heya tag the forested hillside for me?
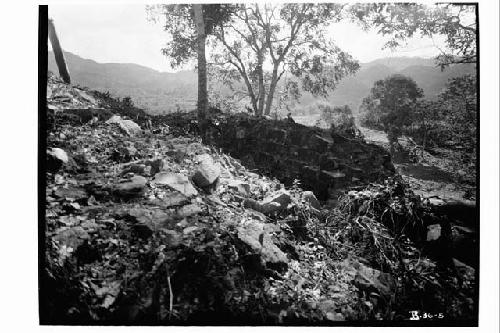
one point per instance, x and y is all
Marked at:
(160, 92)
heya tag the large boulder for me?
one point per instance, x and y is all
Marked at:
(207, 173)
(276, 202)
(175, 181)
(127, 126)
(131, 187)
(256, 235)
(56, 158)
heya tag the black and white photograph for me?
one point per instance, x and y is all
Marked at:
(262, 164)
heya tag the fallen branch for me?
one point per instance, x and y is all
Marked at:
(171, 298)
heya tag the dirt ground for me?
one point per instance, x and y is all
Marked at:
(432, 176)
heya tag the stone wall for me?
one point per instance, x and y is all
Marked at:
(324, 162)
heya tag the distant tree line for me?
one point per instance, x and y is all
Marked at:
(396, 105)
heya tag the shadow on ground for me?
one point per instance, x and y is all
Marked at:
(425, 172)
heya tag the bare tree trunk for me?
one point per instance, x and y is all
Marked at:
(260, 73)
(424, 142)
(202, 71)
(272, 88)
(58, 53)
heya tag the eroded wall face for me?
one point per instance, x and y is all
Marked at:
(325, 163)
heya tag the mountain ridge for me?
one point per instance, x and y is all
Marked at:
(163, 92)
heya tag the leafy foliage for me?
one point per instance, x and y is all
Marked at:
(179, 24)
(401, 21)
(391, 102)
(289, 38)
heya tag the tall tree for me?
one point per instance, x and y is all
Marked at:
(426, 116)
(202, 69)
(458, 102)
(285, 38)
(58, 52)
(188, 26)
(401, 21)
(393, 100)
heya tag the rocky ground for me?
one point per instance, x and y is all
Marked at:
(437, 175)
(148, 228)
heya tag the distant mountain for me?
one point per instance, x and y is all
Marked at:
(400, 63)
(160, 92)
(150, 89)
(428, 76)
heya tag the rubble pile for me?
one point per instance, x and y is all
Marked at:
(145, 227)
(326, 162)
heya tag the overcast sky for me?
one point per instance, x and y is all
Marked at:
(121, 33)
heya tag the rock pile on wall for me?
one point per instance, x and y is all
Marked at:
(325, 162)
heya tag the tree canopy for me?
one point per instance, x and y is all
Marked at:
(256, 44)
(401, 21)
(180, 25)
(391, 101)
(263, 42)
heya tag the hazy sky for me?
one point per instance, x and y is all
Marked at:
(121, 33)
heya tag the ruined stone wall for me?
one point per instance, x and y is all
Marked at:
(324, 162)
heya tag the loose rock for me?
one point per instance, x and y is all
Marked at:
(134, 186)
(56, 158)
(239, 186)
(310, 198)
(370, 278)
(177, 182)
(208, 172)
(127, 126)
(257, 237)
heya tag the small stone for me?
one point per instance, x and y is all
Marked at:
(255, 235)
(270, 208)
(252, 204)
(189, 229)
(271, 205)
(147, 221)
(370, 278)
(173, 239)
(433, 232)
(59, 154)
(156, 165)
(72, 237)
(310, 198)
(139, 169)
(239, 186)
(189, 210)
(171, 199)
(177, 182)
(134, 186)
(207, 173)
(71, 193)
(282, 198)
